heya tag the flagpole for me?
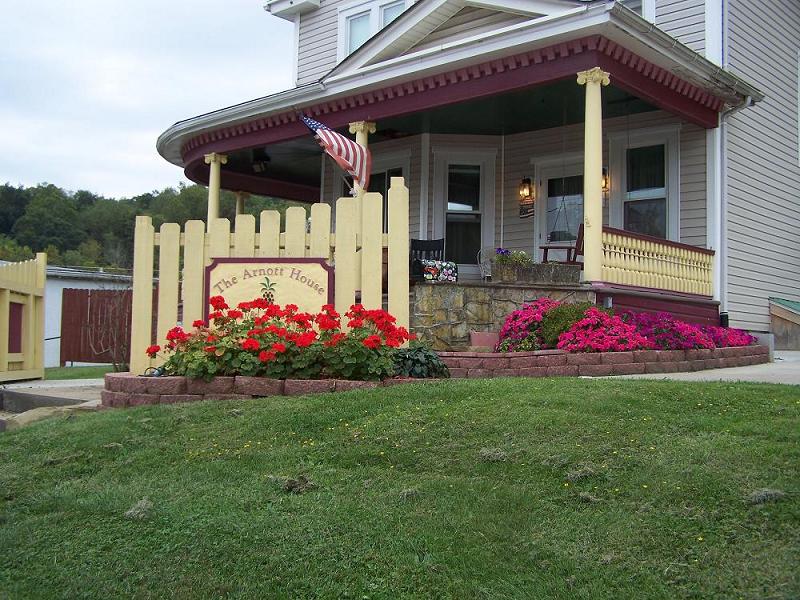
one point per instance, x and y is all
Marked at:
(362, 129)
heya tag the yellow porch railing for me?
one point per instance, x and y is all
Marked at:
(644, 261)
(22, 319)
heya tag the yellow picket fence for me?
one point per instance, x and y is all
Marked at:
(22, 319)
(644, 261)
(356, 254)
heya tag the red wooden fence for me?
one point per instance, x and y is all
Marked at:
(95, 326)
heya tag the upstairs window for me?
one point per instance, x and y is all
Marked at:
(634, 5)
(359, 22)
(646, 8)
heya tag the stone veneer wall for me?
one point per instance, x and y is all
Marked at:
(443, 314)
(552, 363)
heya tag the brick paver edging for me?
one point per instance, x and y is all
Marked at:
(551, 363)
(126, 389)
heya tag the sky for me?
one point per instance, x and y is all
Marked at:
(87, 86)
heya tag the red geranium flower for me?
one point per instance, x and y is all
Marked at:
(210, 348)
(199, 323)
(250, 344)
(153, 350)
(266, 356)
(235, 314)
(372, 342)
(218, 303)
(335, 339)
(279, 347)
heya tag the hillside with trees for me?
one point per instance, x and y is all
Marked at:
(82, 229)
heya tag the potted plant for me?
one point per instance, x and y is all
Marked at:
(511, 266)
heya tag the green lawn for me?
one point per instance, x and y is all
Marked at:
(93, 372)
(609, 489)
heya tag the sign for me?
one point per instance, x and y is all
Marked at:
(526, 209)
(306, 282)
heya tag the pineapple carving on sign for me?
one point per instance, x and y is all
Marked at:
(306, 282)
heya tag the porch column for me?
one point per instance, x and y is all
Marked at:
(362, 129)
(240, 198)
(215, 162)
(593, 79)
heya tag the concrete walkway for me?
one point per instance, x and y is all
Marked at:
(784, 369)
(80, 390)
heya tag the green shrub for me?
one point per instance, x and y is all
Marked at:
(528, 344)
(559, 319)
(419, 361)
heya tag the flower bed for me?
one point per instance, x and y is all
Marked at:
(545, 323)
(261, 339)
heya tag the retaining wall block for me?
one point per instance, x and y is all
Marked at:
(532, 371)
(218, 385)
(301, 387)
(584, 358)
(344, 385)
(165, 385)
(179, 398)
(143, 399)
(595, 370)
(628, 368)
(616, 358)
(563, 371)
(257, 386)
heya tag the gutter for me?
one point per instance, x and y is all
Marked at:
(722, 199)
(593, 16)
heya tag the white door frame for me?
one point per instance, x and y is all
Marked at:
(546, 167)
(486, 158)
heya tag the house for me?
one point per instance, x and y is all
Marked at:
(669, 128)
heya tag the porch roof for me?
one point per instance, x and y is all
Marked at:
(644, 61)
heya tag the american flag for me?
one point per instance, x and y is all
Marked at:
(352, 157)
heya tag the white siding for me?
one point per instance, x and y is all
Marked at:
(520, 148)
(683, 20)
(519, 233)
(763, 211)
(316, 53)
(410, 147)
(468, 21)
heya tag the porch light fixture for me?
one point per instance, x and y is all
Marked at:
(525, 191)
(606, 182)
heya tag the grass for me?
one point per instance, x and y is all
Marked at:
(466, 489)
(93, 372)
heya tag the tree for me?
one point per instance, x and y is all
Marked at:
(13, 201)
(11, 251)
(50, 218)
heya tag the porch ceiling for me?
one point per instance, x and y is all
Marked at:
(297, 162)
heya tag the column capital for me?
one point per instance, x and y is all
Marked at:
(362, 127)
(595, 75)
(216, 158)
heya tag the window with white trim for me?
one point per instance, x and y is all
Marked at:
(359, 22)
(645, 182)
(646, 8)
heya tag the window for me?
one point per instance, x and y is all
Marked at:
(645, 201)
(634, 5)
(358, 28)
(644, 166)
(463, 215)
(646, 8)
(360, 21)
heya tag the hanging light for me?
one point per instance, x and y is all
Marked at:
(606, 182)
(526, 191)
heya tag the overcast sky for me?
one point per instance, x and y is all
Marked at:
(86, 86)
